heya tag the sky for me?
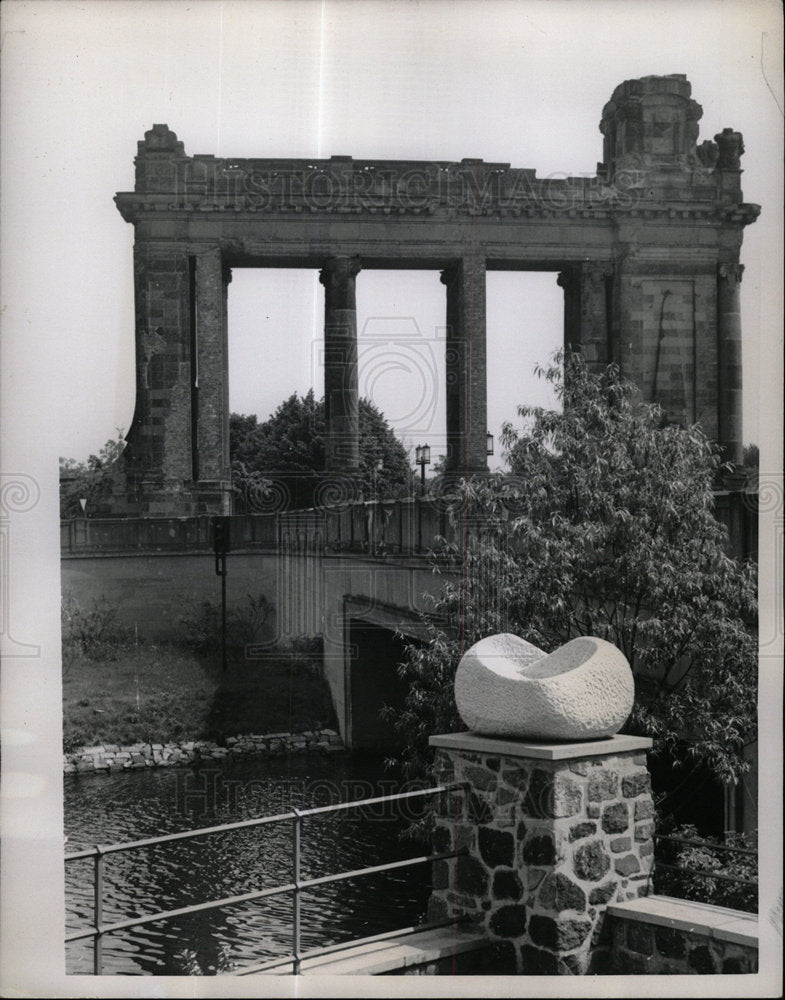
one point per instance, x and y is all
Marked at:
(518, 81)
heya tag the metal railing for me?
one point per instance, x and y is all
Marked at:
(296, 886)
(706, 872)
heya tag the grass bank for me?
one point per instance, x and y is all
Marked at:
(159, 692)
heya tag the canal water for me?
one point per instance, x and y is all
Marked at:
(133, 805)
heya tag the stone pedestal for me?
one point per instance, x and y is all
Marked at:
(552, 833)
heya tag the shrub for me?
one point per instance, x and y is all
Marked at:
(703, 857)
(95, 633)
(245, 624)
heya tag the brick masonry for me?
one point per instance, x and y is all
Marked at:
(542, 847)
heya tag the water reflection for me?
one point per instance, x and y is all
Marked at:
(134, 805)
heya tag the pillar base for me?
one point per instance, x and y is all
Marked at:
(552, 833)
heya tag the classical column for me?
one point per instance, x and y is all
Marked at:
(729, 362)
(569, 280)
(466, 368)
(211, 379)
(342, 446)
(157, 458)
(586, 320)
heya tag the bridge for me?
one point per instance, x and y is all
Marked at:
(354, 576)
(357, 576)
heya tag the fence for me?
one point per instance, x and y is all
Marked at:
(673, 870)
(296, 887)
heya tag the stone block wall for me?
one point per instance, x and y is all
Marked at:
(542, 845)
(664, 936)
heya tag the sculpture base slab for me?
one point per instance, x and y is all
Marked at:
(539, 750)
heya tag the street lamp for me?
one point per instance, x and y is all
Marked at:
(423, 453)
(489, 443)
(378, 465)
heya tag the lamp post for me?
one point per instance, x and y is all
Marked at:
(423, 458)
(377, 468)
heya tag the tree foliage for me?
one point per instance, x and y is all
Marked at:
(604, 527)
(91, 481)
(279, 463)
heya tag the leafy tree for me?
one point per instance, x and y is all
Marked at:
(605, 527)
(92, 481)
(287, 453)
(751, 456)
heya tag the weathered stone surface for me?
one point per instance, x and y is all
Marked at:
(537, 962)
(644, 809)
(581, 830)
(616, 818)
(509, 921)
(539, 850)
(479, 777)
(640, 938)
(558, 893)
(551, 796)
(602, 894)
(644, 831)
(441, 839)
(633, 785)
(669, 942)
(515, 777)
(471, 876)
(627, 865)
(593, 810)
(505, 686)
(438, 909)
(702, 960)
(496, 847)
(573, 965)
(619, 844)
(506, 884)
(440, 875)
(504, 796)
(500, 959)
(478, 809)
(590, 861)
(563, 935)
(603, 785)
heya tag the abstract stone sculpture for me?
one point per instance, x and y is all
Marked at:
(505, 686)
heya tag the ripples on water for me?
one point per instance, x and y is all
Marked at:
(133, 805)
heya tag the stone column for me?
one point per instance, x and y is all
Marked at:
(466, 368)
(157, 458)
(586, 320)
(342, 445)
(546, 836)
(211, 395)
(729, 362)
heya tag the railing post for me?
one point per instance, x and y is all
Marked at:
(98, 905)
(296, 854)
